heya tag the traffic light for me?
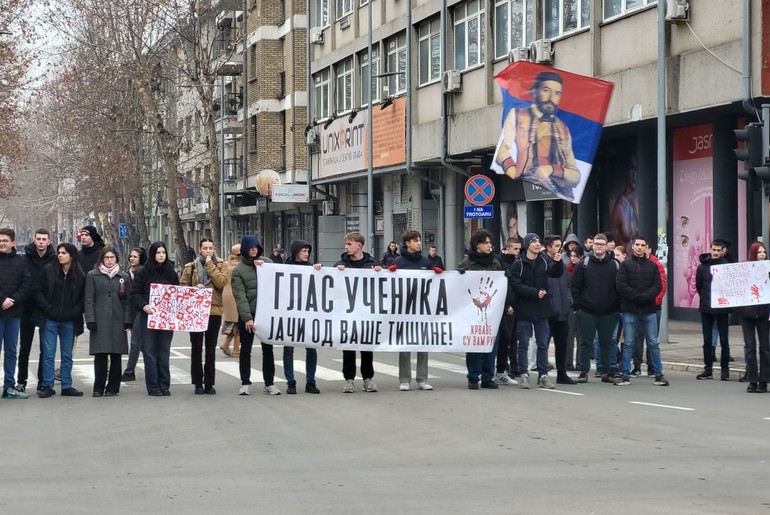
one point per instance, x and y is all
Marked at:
(751, 153)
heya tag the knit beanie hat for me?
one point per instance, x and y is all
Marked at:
(91, 231)
(528, 239)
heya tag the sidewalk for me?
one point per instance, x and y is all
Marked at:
(684, 349)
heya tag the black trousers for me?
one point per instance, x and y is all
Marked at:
(105, 380)
(349, 364)
(507, 346)
(26, 335)
(204, 374)
(244, 361)
(560, 332)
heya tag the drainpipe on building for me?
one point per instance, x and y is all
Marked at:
(245, 108)
(221, 242)
(370, 136)
(661, 176)
(748, 104)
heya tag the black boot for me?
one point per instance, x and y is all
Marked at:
(563, 378)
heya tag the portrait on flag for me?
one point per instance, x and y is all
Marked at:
(552, 122)
(179, 308)
(360, 309)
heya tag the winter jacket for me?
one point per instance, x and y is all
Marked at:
(347, 261)
(244, 281)
(140, 288)
(217, 273)
(663, 281)
(35, 265)
(107, 304)
(559, 294)
(436, 261)
(507, 260)
(528, 277)
(412, 260)
(593, 285)
(703, 283)
(480, 262)
(15, 283)
(60, 298)
(296, 246)
(571, 238)
(388, 258)
(229, 307)
(88, 256)
(638, 284)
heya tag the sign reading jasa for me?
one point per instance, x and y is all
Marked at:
(479, 212)
(290, 193)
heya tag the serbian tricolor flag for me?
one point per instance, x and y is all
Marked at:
(552, 122)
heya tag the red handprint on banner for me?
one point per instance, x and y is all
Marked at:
(483, 299)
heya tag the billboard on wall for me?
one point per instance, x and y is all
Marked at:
(344, 145)
(692, 211)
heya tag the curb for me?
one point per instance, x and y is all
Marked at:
(735, 373)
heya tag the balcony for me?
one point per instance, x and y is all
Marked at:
(233, 169)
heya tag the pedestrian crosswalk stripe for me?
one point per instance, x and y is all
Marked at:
(392, 370)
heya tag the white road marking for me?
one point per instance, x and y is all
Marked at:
(661, 406)
(562, 391)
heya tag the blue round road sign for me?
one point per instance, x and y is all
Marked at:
(479, 190)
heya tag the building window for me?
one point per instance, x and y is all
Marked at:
(614, 8)
(430, 51)
(321, 13)
(321, 94)
(253, 133)
(397, 65)
(563, 16)
(373, 90)
(514, 24)
(252, 62)
(344, 7)
(469, 34)
(344, 85)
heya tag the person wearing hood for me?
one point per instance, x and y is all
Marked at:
(300, 255)
(244, 283)
(529, 279)
(91, 244)
(229, 308)
(156, 343)
(710, 316)
(411, 258)
(481, 365)
(37, 254)
(355, 257)
(390, 256)
(595, 300)
(570, 242)
(206, 271)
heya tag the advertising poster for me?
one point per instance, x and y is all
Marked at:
(693, 194)
(552, 122)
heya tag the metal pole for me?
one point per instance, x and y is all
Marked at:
(222, 168)
(370, 139)
(661, 200)
(765, 155)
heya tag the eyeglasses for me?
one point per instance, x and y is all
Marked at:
(600, 244)
(4, 242)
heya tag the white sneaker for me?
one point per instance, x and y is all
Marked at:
(523, 381)
(348, 388)
(245, 390)
(369, 386)
(545, 382)
(422, 385)
(272, 390)
(404, 387)
(504, 378)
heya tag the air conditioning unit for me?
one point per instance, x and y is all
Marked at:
(540, 51)
(311, 136)
(452, 81)
(345, 22)
(317, 35)
(677, 10)
(518, 54)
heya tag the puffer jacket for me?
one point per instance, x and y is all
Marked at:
(528, 277)
(244, 282)
(15, 283)
(638, 285)
(559, 294)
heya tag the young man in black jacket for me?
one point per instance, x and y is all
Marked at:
(595, 300)
(710, 316)
(638, 285)
(529, 278)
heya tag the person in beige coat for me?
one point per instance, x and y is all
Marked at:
(230, 326)
(207, 271)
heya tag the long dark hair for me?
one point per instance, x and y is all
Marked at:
(142, 255)
(152, 265)
(75, 269)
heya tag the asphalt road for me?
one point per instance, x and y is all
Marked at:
(693, 447)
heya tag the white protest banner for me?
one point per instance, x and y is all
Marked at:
(179, 308)
(740, 284)
(354, 309)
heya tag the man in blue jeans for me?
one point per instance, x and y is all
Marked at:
(638, 285)
(15, 286)
(532, 305)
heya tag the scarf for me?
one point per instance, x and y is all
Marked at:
(203, 276)
(482, 259)
(109, 272)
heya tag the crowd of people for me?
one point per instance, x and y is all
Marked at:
(594, 293)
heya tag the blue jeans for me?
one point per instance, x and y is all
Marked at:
(9, 338)
(310, 365)
(647, 324)
(542, 335)
(66, 334)
(481, 364)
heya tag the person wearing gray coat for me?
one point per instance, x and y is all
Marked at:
(108, 318)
